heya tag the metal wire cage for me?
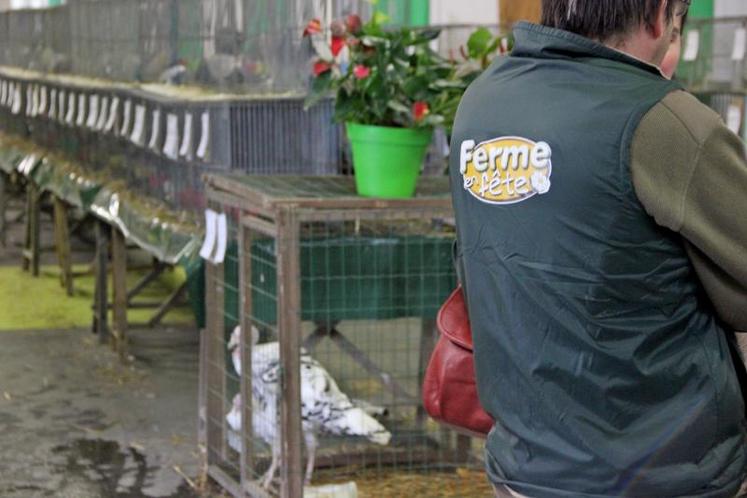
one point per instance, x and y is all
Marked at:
(322, 313)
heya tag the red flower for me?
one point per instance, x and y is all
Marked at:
(360, 71)
(337, 43)
(321, 67)
(353, 23)
(420, 110)
(314, 27)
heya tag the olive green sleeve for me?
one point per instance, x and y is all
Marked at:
(690, 173)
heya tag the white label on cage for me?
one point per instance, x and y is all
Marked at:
(17, 100)
(740, 39)
(204, 135)
(211, 217)
(93, 111)
(4, 93)
(138, 128)
(81, 109)
(70, 109)
(103, 115)
(52, 114)
(126, 118)
(186, 148)
(171, 144)
(42, 100)
(29, 99)
(8, 95)
(734, 118)
(692, 45)
(113, 111)
(155, 130)
(36, 94)
(220, 251)
(61, 99)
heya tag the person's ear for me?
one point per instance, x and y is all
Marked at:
(661, 23)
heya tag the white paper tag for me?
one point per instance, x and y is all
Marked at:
(35, 101)
(61, 99)
(186, 149)
(81, 110)
(42, 100)
(52, 104)
(3, 92)
(734, 118)
(70, 108)
(103, 115)
(93, 111)
(155, 130)
(211, 218)
(29, 99)
(740, 40)
(204, 135)
(692, 45)
(17, 100)
(126, 119)
(171, 143)
(138, 128)
(220, 251)
(113, 112)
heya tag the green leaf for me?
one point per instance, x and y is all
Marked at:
(479, 42)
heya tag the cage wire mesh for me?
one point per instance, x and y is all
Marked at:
(346, 297)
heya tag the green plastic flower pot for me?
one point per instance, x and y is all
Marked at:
(387, 160)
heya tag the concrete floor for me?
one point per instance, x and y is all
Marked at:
(77, 423)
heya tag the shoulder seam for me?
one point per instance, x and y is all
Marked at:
(684, 123)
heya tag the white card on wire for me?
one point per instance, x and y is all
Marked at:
(692, 45)
(93, 111)
(126, 118)
(81, 110)
(70, 109)
(42, 100)
(103, 114)
(138, 128)
(211, 218)
(734, 118)
(171, 144)
(186, 148)
(113, 113)
(740, 42)
(204, 135)
(155, 130)
(220, 251)
(52, 104)
(17, 100)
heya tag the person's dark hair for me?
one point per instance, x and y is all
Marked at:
(602, 19)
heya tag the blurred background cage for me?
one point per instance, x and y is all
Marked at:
(348, 286)
(713, 66)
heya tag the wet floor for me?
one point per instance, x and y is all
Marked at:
(76, 423)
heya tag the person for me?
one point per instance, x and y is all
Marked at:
(672, 57)
(602, 250)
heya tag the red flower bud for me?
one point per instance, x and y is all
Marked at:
(360, 71)
(337, 28)
(338, 42)
(420, 110)
(314, 27)
(353, 23)
(321, 67)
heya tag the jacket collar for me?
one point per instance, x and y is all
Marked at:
(537, 41)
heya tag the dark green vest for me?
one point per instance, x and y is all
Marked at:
(596, 351)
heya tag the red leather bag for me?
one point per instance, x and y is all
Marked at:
(449, 386)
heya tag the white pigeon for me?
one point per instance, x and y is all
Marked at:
(324, 407)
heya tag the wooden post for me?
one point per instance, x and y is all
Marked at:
(62, 244)
(100, 308)
(512, 11)
(119, 291)
(3, 208)
(245, 345)
(215, 375)
(289, 334)
(32, 250)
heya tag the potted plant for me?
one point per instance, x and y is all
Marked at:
(391, 89)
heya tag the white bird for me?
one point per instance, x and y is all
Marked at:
(324, 407)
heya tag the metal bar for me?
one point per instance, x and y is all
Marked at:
(170, 302)
(428, 335)
(119, 298)
(362, 359)
(289, 335)
(158, 268)
(245, 345)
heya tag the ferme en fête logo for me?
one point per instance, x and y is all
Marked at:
(505, 170)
